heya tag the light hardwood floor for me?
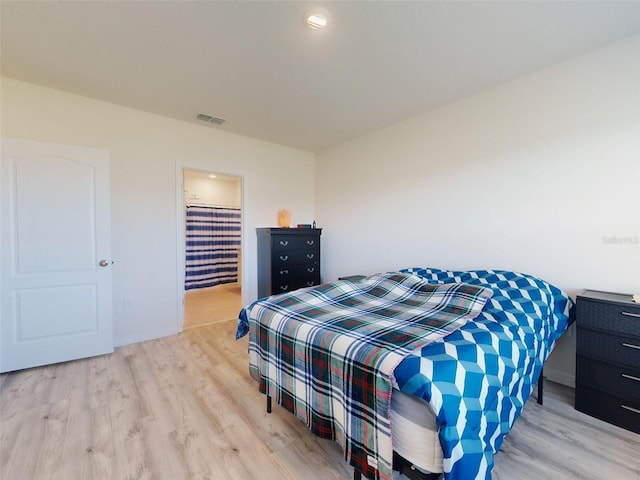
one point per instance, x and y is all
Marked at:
(205, 306)
(184, 407)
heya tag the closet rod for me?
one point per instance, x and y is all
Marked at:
(210, 206)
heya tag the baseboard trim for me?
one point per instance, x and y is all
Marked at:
(144, 336)
(560, 377)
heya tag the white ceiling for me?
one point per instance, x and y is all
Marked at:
(258, 66)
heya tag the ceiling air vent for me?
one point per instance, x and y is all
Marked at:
(210, 118)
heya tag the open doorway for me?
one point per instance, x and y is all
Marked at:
(213, 247)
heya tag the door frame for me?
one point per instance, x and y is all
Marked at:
(181, 233)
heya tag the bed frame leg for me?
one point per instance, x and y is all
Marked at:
(268, 404)
(540, 386)
(356, 475)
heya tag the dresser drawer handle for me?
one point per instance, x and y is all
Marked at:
(284, 243)
(631, 409)
(628, 345)
(310, 255)
(310, 284)
(284, 258)
(311, 269)
(630, 377)
(310, 242)
(284, 288)
(629, 314)
(284, 272)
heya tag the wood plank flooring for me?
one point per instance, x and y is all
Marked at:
(205, 306)
(184, 407)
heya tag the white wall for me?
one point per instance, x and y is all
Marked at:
(147, 155)
(199, 188)
(534, 176)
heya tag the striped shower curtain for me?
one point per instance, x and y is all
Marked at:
(213, 240)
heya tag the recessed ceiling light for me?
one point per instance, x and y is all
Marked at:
(317, 20)
(211, 175)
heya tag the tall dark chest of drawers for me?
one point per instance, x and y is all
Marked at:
(608, 358)
(288, 259)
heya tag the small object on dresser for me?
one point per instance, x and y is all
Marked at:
(284, 218)
(304, 225)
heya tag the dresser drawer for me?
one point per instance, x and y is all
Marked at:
(281, 286)
(295, 257)
(608, 347)
(622, 412)
(609, 317)
(615, 379)
(284, 243)
(290, 272)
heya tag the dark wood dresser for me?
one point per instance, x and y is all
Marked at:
(608, 358)
(288, 259)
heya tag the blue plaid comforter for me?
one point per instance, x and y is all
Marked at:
(478, 378)
(327, 353)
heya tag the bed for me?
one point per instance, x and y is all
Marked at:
(422, 367)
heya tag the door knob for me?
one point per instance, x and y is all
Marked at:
(104, 263)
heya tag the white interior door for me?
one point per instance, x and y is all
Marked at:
(55, 282)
